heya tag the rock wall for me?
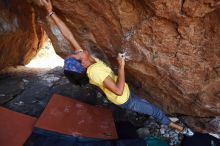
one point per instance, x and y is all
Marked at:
(174, 45)
(20, 35)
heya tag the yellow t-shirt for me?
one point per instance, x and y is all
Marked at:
(97, 73)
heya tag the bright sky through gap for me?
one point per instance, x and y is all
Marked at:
(46, 58)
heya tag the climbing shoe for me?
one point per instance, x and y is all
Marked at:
(187, 132)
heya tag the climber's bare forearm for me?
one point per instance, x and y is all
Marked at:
(118, 86)
(66, 31)
(121, 79)
(61, 25)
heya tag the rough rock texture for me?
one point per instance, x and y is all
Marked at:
(20, 36)
(174, 45)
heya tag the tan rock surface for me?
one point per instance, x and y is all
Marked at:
(174, 45)
(20, 35)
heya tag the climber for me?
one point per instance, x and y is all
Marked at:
(82, 63)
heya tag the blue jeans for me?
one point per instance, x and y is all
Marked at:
(136, 104)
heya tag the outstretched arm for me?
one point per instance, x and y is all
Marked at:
(61, 25)
(118, 86)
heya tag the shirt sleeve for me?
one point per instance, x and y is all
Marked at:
(98, 75)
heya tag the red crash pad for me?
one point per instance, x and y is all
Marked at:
(70, 117)
(15, 127)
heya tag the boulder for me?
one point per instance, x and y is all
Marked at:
(174, 45)
(20, 35)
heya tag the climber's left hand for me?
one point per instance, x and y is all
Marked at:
(48, 5)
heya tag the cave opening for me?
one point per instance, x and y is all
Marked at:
(46, 58)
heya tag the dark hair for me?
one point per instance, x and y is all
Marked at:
(77, 78)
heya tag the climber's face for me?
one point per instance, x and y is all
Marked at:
(84, 59)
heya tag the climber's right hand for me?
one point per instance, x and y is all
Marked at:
(121, 60)
(48, 5)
